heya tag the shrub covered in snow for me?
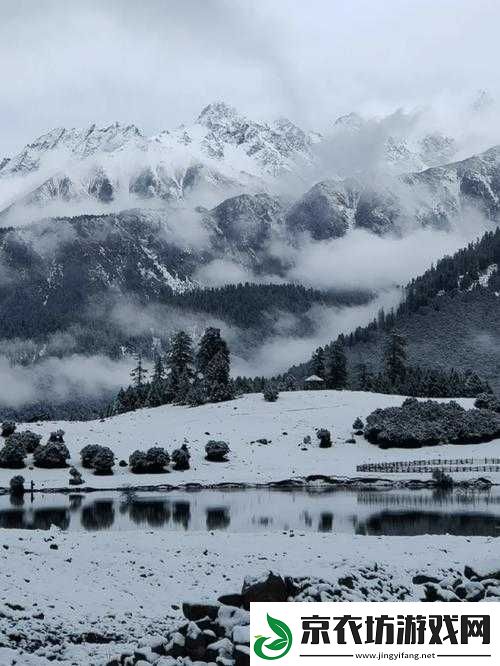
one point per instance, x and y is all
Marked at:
(75, 477)
(152, 461)
(87, 455)
(16, 485)
(270, 393)
(57, 436)
(180, 458)
(325, 438)
(358, 426)
(51, 456)
(487, 401)
(28, 440)
(428, 423)
(12, 456)
(216, 451)
(8, 427)
(103, 461)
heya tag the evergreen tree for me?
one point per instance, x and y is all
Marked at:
(210, 345)
(158, 391)
(363, 378)
(318, 363)
(336, 366)
(218, 382)
(139, 373)
(213, 365)
(180, 365)
(395, 357)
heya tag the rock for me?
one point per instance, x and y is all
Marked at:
(196, 612)
(421, 579)
(434, 592)
(272, 588)
(196, 642)
(470, 591)
(241, 634)
(347, 581)
(241, 655)
(231, 600)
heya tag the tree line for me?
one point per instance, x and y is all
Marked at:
(182, 376)
(397, 375)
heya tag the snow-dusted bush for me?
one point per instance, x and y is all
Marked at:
(428, 423)
(51, 456)
(487, 401)
(75, 477)
(325, 438)
(29, 441)
(57, 436)
(8, 427)
(358, 426)
(103, 461)
(87, 455)
(180, 458)
(216, 451)
(16, 485)
(152, 461)
(12, 456)
(270, 393)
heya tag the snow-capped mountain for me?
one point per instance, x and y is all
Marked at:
(396, 143)
(118, 167)
(442, 197)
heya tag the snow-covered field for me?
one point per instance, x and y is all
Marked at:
(241, 422)
(131, 584)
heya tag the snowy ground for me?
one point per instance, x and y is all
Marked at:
(130, 583)
(241, 422)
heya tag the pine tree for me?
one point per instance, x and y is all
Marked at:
(363, 378)
(395, 357)
(180, 365)
(218, 383)
(318, 363)
(336, 366)
(158, 391)
(139, 373)
(213, 365)
(210, 345)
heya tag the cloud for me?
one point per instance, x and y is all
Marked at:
(58, 379)
(280, 352)
(158, 64)
(365, 261)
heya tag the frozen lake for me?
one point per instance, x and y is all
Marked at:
(394, 512)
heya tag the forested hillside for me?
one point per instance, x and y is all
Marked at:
(450, 319)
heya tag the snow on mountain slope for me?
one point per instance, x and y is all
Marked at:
(221, 152)
(241, 423)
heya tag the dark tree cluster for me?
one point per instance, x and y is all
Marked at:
(396, 376)
(184, 377)
(428, 423)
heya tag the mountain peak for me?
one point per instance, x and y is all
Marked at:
(216, 114)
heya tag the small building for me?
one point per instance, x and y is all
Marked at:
(314, 383)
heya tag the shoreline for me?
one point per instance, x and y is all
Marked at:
(315, 482)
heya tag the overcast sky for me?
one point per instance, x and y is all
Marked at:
(156, 63)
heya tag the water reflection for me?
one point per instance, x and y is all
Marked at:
(218, 518)
(398, 513)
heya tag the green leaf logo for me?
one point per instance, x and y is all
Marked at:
(282, 643)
